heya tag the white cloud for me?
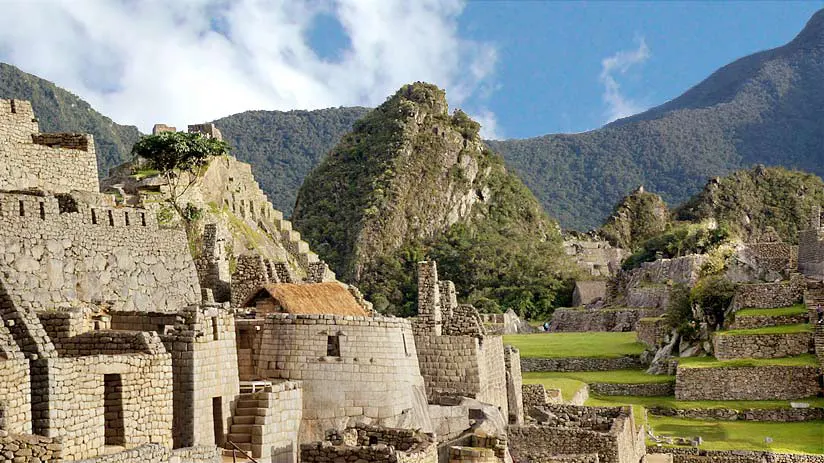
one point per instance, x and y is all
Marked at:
(142, 62)
(619, 105)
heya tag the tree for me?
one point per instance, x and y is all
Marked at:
(181, 158)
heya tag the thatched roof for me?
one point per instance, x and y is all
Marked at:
(314, 298)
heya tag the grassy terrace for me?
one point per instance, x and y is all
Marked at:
(559, 345)
(803, 437)
(570, 382)
(712, 362)
(781, 329)
(797, 309)
(670, 402)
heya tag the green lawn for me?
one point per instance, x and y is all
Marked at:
(669, 401)
(802, 437)
(557, 345)
(570, 382)
(797, 309)
(780, 329)
(712, 362)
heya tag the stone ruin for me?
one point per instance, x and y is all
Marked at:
(117, 346)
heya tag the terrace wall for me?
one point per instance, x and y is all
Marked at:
(738, 346)
(747, 383)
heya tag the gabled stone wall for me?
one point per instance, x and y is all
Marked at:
(53, 162)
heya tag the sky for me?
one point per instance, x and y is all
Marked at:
(521, 68)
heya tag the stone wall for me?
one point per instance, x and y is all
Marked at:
(29, 448)
(580, 320)
(58, 162)
(534, 395)
(651, 296)
(581, 364)
(213, 263)
(70, 403)
(589, 291)
(750, 414)
(514, 385)
(811, 248)
(736, 346)
(609, 432)
(597, 258)
(648, 389)
(372, 444)
(270, 420)
(15, 389)
(770, 295)
(251, 273)
(376, 375)
(54, 257)
(694, 455)
(153, 453)
(464, 366)
(652, 331)
(430, 316)
(463, 320)
(763, 321)
(746, 383)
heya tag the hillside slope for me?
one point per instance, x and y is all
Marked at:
(412, 181)
(283, 147)
(61, 111)
(763, 108)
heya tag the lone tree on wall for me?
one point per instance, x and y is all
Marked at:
(181, 158)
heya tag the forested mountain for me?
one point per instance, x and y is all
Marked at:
(60, 111)
(763, 108)
(283, 147)
(412, 182)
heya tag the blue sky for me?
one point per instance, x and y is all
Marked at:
(522, 68)
(550, 53)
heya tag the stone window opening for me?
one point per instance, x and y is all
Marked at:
(405, 348)
(115, 431)
(143, 219)
(42, 210)
(111, 218)
(217, 417)
(215, 329)
(22, 208)
(94, 217)
(333, 346)
(126, 218)
(373, 440)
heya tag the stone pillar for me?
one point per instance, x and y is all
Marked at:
(815, 219)
(429, 298)
(449, 298)
(213, 265)
(514, 385)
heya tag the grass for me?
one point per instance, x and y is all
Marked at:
(671, 402)
(559, 345)
(611, 377)
(712, 362)
(570, 382)
(800, 437)
(781, 329)
(797, 309)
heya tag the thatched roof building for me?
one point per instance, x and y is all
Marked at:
(330, 298)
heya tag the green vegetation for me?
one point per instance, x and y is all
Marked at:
(60, 111)
(560, 345)
(671, 402)
(635, 219)
(609, 377)
(797, 309)
(387, 195)
(802, 437)
(781, 329)
(678, 240)
(283, 147)
(712, 362)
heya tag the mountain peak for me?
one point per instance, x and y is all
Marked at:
(813, 33)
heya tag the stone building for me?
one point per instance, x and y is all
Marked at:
(456, 356)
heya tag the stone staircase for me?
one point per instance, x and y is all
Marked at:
(248, 422)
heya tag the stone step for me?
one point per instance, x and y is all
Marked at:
(257, 411)
(245, 446)
(303, 246)
(240, 438)
(284, 225)
(242, 428)
(247, 403)
(291, 236)
(243, 419)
